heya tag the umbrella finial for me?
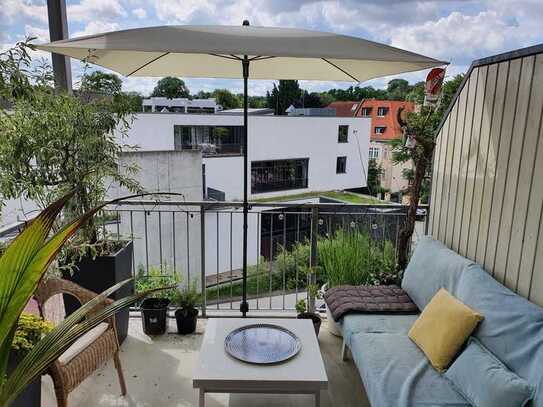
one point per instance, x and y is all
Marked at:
(246, 22)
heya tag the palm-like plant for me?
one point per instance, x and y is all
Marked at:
(22, 266)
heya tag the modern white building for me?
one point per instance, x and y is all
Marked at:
(287, 155)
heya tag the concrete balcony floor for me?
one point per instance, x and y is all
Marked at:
(158, 372)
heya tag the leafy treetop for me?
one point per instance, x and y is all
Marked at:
(171, 88)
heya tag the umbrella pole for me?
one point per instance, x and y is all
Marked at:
(244, 306)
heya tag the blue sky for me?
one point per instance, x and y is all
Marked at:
(457, 31)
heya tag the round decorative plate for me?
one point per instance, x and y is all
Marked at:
(262, 344)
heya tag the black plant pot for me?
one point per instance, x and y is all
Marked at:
(31, 395)
(314, 317)
(186, 320)
(101, 273)
(154, 314)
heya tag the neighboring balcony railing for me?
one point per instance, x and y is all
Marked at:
(290, 244)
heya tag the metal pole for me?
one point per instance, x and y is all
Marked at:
(58, 30)
(244, 306)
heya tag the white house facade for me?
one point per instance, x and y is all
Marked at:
(287, 155)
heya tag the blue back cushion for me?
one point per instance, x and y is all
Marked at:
(512, 329)
(432, 266)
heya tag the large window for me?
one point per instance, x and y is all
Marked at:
(278, 175)
(343, 134)
(341, 165)
(212, 140)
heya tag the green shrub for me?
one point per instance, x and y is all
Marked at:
(30, 329)
(157, 278)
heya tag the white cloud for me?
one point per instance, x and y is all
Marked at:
(456, 36)
(41, 34)
(140, 13)
(95, 10)
(96, 27)
(21, 9)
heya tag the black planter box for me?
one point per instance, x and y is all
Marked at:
(101, 273)
(31, 395)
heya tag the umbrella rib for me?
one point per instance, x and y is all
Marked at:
(342, 70)
(260, 58)
(148, 63)
(233, 57)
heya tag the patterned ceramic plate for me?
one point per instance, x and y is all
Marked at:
(262, 344)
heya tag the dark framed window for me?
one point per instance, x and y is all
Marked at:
(279, 175)
(212, 140)
(341, 165)
(343, 134)
(380, 129)
(366, 111)
(382, 111)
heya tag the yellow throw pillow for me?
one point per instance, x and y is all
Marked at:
(442, 328)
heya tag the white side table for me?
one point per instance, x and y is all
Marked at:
(218, 372)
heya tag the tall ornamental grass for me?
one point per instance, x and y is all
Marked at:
(353, 258)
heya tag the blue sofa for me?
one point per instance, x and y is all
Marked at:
(393, 369)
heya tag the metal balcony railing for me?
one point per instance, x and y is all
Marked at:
(200, 243)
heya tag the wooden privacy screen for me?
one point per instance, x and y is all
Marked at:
(487, 188)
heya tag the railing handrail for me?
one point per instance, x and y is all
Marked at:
(236, 204)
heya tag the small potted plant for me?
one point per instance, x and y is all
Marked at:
(30, 330)
(186, 315)
(307, 310)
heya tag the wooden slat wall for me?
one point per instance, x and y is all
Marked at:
(487, 189)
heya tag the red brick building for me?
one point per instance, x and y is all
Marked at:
(384, 128)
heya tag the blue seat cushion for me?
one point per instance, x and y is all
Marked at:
(375, 323)
(512, 329)
(432, 266)
(397, 374)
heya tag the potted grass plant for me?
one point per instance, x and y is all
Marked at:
(187, 300)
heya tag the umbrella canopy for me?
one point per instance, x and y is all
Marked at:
(241, 52)
(276, 53)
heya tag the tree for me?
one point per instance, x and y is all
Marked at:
(397, 89)
(421, 128)
(226, 99)
(281, 97)
(101, 82)
(308, 100)
(171, 88)
(255, 102)
(56, 143)
(202, 94)
(416, 94)
(375, 171)
(134, 101)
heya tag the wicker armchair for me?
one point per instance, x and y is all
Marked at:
(68, 372)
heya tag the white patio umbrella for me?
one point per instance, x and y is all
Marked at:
(241, 52)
